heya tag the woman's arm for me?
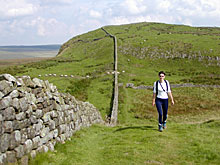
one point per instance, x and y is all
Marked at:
(154, 97)
(171, 96)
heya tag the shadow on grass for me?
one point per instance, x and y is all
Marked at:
(137, 127)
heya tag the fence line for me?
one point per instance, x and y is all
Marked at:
(114, 113)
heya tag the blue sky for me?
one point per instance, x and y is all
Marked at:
(30, 22)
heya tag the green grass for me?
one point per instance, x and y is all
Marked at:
(139, 144)
(189, 139)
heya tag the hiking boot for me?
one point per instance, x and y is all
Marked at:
(164, 126)
(160, 128)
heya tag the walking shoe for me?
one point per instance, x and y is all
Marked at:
(160, 128)
(164, 126)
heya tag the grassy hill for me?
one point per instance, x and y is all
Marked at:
(143, 50)
(187, 54)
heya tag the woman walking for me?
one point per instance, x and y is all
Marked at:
(161, 92)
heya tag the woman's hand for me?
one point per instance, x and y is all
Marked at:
(172, 102)
(153, 102)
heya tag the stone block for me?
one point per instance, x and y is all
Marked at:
(46, 149)
(19, 151)
(1, 95)
(7, 77)
(36, 142)
(20, 116)
(33, 119)
(39, 113)
(15, 139)
(37, 127)
(9, 113)
(56, 106)
(62, 138)
(33, 154)
(31, 132)
(14, 94)
(23, 104)
(6, 87)
(61, 128)
(52, 125)
(24, 123)
(16, 104)
(20, 82)
(1, 118)
(53, 114)
(28, 82)
(16, 125)
(29, 111)
(28, 145)
(46, 117)
(37, 82)
(8, 126)
(2, 129)
(4, 142)
(3, 159)
(50, 146)
(5, 102)
(11, 157)
(24, 135)
(55, 133)
(24, 160)
(44, 131)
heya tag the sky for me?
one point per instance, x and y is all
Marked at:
(37, 22)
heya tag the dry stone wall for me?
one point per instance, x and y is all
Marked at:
(34, 116)
(114, 113)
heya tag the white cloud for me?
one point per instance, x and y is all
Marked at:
(134, 6)
(15, 8)
(95, 14)
(164, 6)
(126, 20)
(48, 27)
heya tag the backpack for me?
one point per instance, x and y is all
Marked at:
(157, 86)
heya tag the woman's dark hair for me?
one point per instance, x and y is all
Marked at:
(161, 72)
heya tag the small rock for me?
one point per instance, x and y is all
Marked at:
(8, 126)
(5, 102)
(19, 151)
(28, 145)
(3, 158)
(7, 77)
(11, 157)
(9, 113)
(4, 142)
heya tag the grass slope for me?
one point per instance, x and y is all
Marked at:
(140, 47)
(143, 50)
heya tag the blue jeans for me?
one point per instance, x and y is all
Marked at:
(162, 108)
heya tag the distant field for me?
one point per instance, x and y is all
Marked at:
(21, 52)
(10, 62)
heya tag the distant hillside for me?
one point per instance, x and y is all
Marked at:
(20, 52)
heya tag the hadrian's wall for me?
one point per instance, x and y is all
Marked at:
(34, 116)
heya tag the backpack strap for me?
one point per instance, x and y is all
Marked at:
(157, 87)
(166, 85)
